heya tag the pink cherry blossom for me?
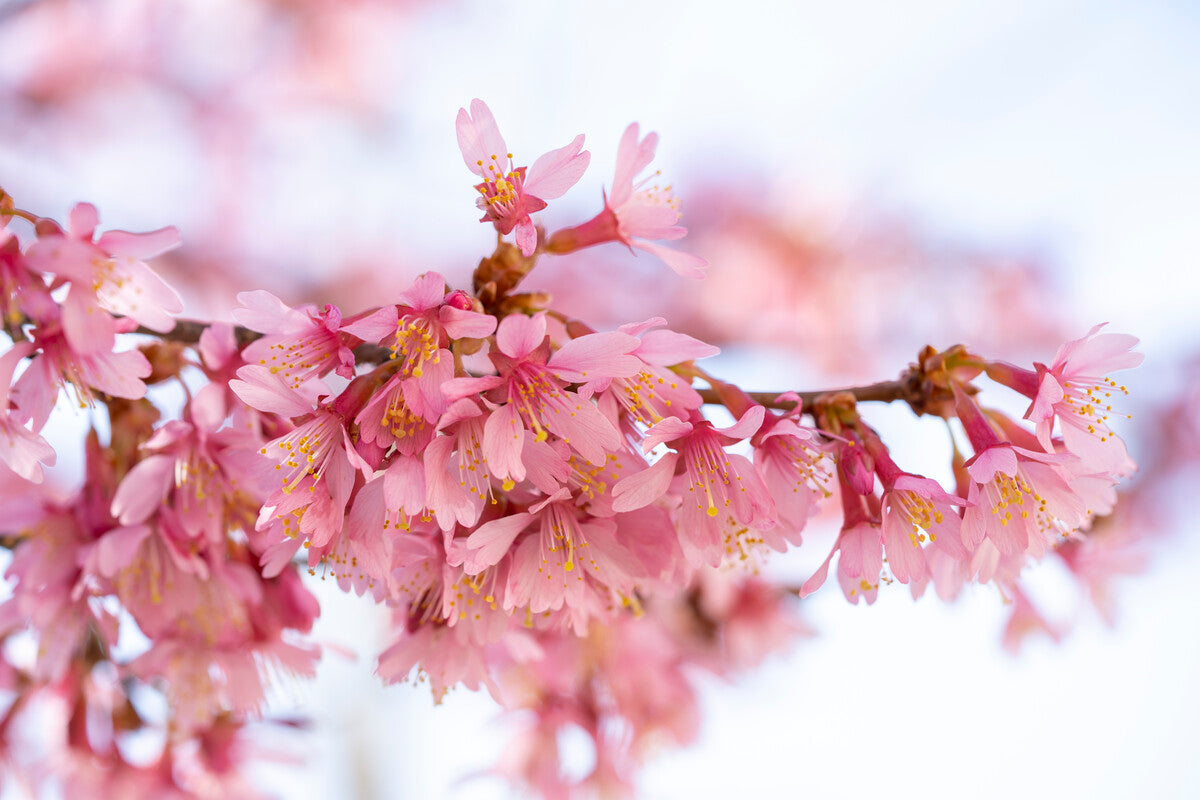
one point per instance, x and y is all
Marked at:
(793, 466)
(723, 496)
(300, 343)
(110, 269)
(635, 214)
(509, 194)
(532, 385)
(1018, 499)
(1076, 391)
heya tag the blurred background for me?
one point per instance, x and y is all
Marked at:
(864, 178)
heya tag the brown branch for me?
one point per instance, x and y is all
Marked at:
(187, 331)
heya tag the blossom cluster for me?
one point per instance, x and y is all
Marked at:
(548, 510)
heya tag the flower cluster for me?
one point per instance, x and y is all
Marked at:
(546, 510)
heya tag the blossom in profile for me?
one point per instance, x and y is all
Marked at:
(1075, 390)
(510, 194)
(639, 214)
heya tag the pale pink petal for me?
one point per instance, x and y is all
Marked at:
(218, 345)
(118, 374)
(478, 137)
(143, 489)
(459, 388)
(745, 427)
(651, 221)
(643, 488)
(374, 326)
(24, 451)
(492, 540)
(665, 430)
(8, 365)
(208, 407)
(819, 577)
(88, 328)
(404, 484)
(136, 291)
(262, 311)
(905, 557)
(462, 324)
(985, 465)
(596, 355)
(526, 234)
(666, 348)
(685, 264)
(557, 171)
(115, 550)
(83, 220)
(632, 157)
(519, 335)
(260, 389)
(638, 328)
(139, 245)
(425, 293)
(503, 442)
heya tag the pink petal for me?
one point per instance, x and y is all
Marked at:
(8, 365)
(218, 345)
(143, 489)
(118, 374)
(596, 355)
(643, 488)
(404, 485)
(503, 442)
(557, 171)
(685, 264)
(519, 335)
(478, 137)
(632, 157)
(492, 540)
(745, 427)
(115, 550)
(139, 246)
(261, 390)
(83, 220)
(262, 311)
(666, 348)
(88, 328)
(462, 324)
(425, 293)
(665, 430)
(526, 236)
(374, 326)
(136, 291)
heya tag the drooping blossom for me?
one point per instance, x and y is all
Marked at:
(1019, 500)
(859, 543)
(510, 194)
(566, 558)
(793, 465)
(722, 495)
(636, 214)
(915, 511)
